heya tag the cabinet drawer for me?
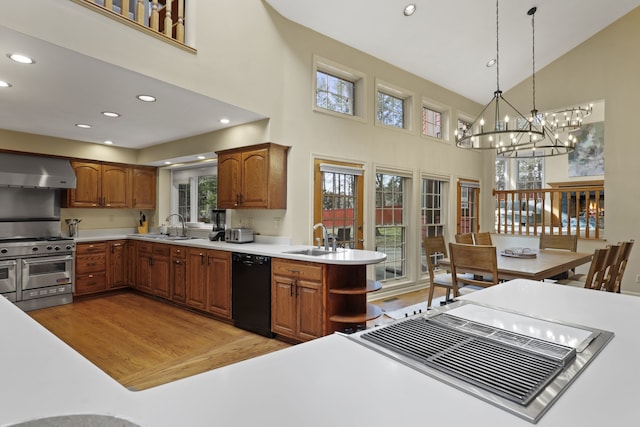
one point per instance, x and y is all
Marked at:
(91, 263)
(91, 248)
(178, 252)
(302, 270)
(161, 249)
(89, 283)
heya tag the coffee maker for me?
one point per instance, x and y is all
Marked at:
(219, 219)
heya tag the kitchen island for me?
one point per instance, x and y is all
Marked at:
(330, 381)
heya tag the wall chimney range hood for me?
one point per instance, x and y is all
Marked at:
(18, 170)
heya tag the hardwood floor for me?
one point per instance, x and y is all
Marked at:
(142, 342)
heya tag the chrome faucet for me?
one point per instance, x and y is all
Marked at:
(325, 239)
(181, 218)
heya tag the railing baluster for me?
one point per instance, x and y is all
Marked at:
(154, 21)
(124, 8)
(140, 12)
(180, 26)
(108, 4)
(168, 23)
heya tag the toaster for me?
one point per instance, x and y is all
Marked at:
(238, 235)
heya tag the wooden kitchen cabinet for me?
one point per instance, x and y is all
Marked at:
(107, 185)
(297, 306)
(209, 281)
(91, 268)
(117, 264)
(144, 187)
(99, 185)
(178, 274)
(253, 177)
(152, 270)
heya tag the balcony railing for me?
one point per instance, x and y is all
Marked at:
(566, 211)
(161, 17)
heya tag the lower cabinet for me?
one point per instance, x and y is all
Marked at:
(91, 268)
(152, 272)
(178, 274)
(208, 281)
(117, 265)
(297, 309)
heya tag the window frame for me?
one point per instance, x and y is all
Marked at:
(194, 197)
(445, 114)
(359, 80)
(407, 98)
(444, 183)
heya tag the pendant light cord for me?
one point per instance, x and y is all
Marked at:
(497, 48)
(532, 12)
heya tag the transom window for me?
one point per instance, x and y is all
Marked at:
(431, 123)
(390, 110)
(334, 93)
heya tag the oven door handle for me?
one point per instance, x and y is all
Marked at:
(8, 263)
(47, 259)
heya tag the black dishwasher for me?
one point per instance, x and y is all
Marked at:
(251, 293)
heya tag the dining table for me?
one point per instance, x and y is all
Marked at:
(545, 264)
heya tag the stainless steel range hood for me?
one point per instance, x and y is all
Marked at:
(17, 170)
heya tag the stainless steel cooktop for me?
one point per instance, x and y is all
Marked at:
(516, 362)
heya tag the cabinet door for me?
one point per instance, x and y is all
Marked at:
(115, 186)
(130, 262)
(219, 283)
(160, 276)
(196, 278)
(255, 179)
(309, 310)
(178, 280)
(144, 188)
(283, 306)
(143, 267)
(116, 264)
(87, 193)
(228, 180)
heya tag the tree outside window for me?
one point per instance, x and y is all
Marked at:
(334, 93)
(390, 110)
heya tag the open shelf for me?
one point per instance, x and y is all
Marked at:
(371, 286)
(373, 312)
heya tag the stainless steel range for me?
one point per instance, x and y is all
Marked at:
(36, 262)
(37, 272)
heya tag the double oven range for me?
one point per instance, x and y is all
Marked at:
(37, 272)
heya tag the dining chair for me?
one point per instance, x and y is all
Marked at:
(561, 242)
(479, 260)
(433, 248)
(596, 277)
(617, 271)
(482, 238)
(465, 238)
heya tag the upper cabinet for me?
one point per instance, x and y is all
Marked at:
(253, 177)
(105, 185)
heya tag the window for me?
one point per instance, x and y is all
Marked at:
(338, 90)
(501, 174)
(463, 126)
(194, 193)
(529, 173)
(432, 215)
(393, 106)
(390, 225)
(468, 206)
(334, 93)
(431, 123)
(338, 201)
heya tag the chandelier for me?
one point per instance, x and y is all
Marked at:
(569, 118)
(499, 124)
(550, 144)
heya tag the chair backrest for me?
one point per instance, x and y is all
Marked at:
(556, 241)
(434, 246)
(619, 266)
(597, 270)
(477, 259)
(483, 238)
(465, 238)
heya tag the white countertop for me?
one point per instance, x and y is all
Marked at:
(278, 250)
(330, 381)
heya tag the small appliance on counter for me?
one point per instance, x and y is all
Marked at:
(219, 219)
(73, 226)
(239, 235)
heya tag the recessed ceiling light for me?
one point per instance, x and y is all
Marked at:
(167, 163)
(225, 121)
(146, 98)
(491, 62)
(83, 126)
(201, 157)
(4, 84)
(20, 58)
(108, 142)
(409, 9)
(110, 114)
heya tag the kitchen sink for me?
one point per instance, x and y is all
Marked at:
(311, 252)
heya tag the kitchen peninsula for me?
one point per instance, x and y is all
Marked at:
(332, 371)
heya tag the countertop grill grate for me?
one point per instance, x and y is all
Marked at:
(506, 364)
